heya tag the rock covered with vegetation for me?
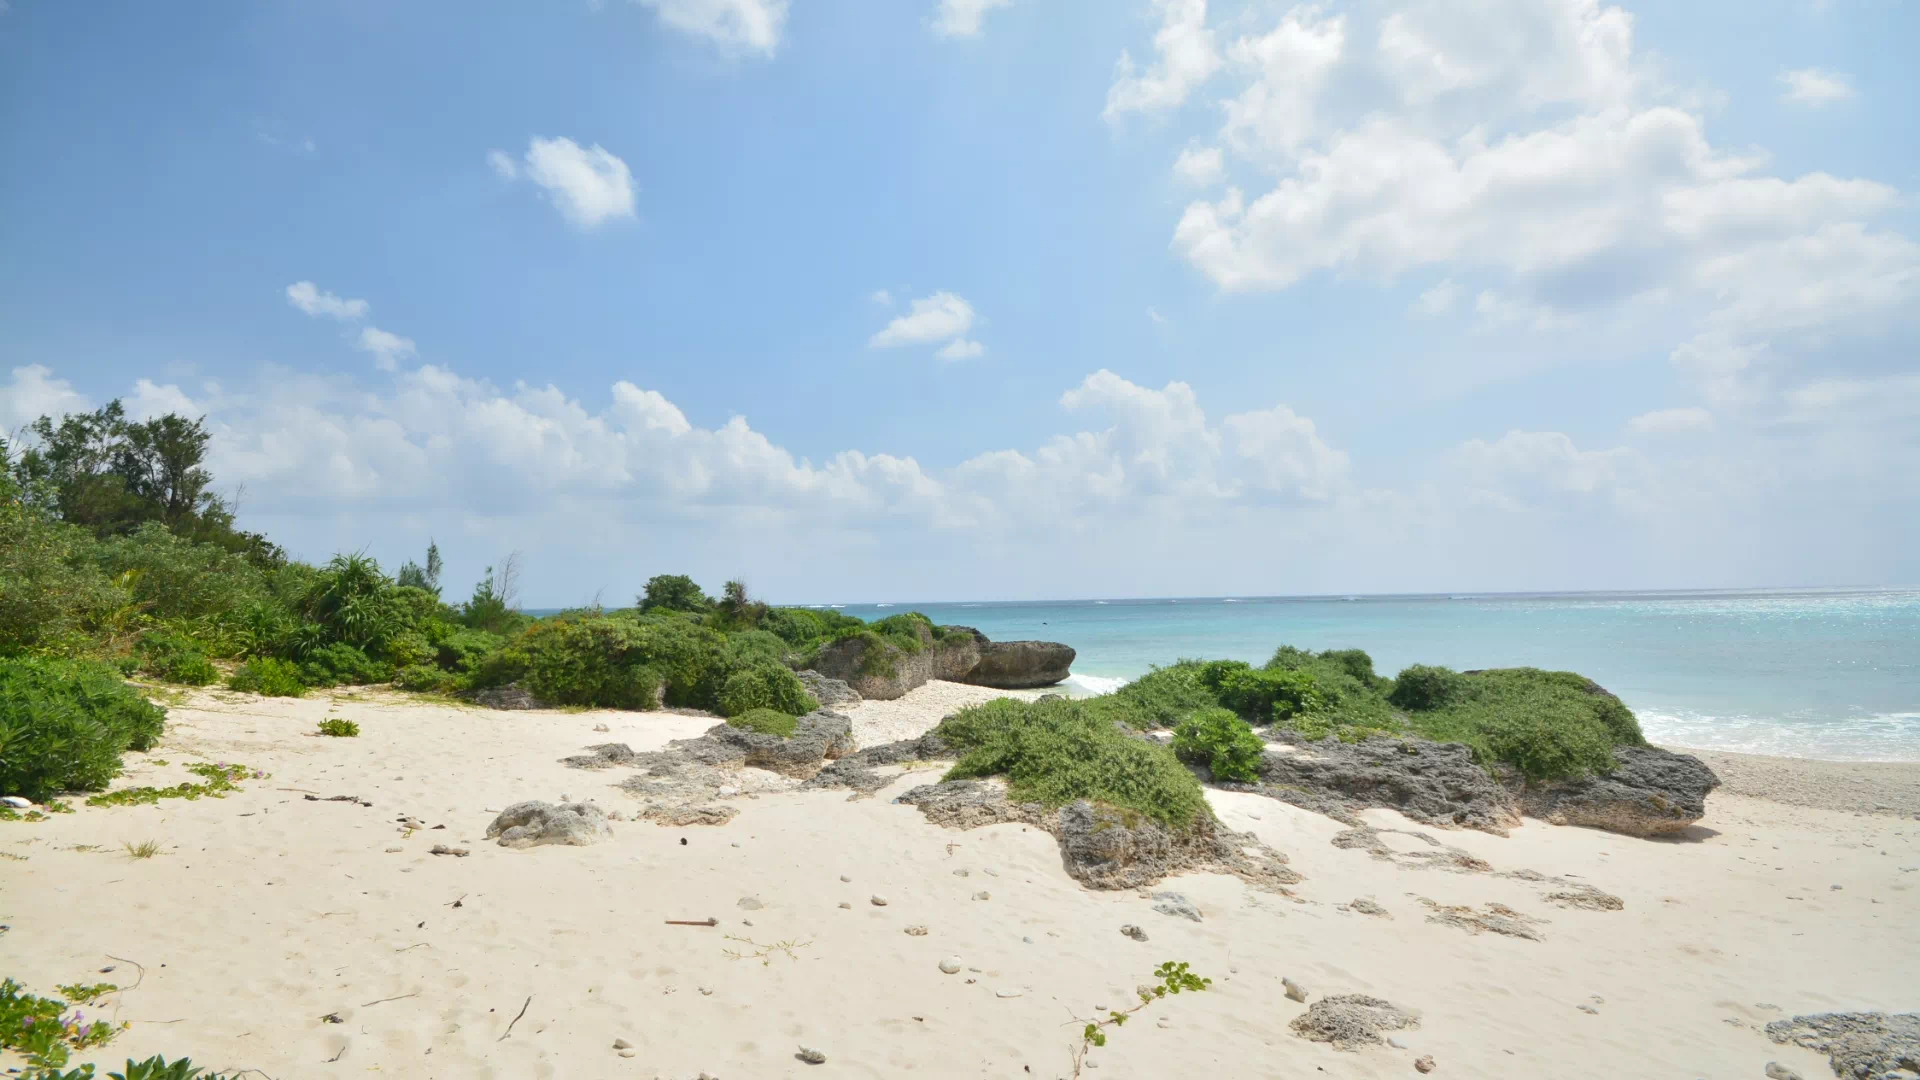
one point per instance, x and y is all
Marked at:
(889, 657)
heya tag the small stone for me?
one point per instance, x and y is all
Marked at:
(736, 843)
(951, 965)
(628, 1054)
(916, 931)
(1028, 940)
(1175, 904)
(706, 991)
(844, 877)
(959, 873)
(622, 1044)
(1134, 932)
(811, 1056)
(1424, 1064)
(1834, 888)
(391, 850)
(748, 903)
(17, 802)
(878, 900)
(601, 727)
(1295, 991)
(442, 849)
(983, 895)
(1396, 1043)
(989, 871)
(846, 906)
(1007, 993)
(1589, 1009)
(1777, 1071)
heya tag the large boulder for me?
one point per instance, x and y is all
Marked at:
(512, 696)
(533, 823)
(827, 691)
(1438, 783)
(1653, 791)
(818, 737)
(875, 668)
(958, 651)
(1019, 665)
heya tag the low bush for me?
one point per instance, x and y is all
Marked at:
(1220, 740)
(1054, 752)
(44, 1033)
(463, 650)
(64, 725)
(1547, 724)
(425, 679)
(1163, 697)
(766, 722)
(340, 664)
(765, 685)
(1263, 696)
(593, 661)
(1422, 687)
(498, 668)
(338, 728)
(268, 677)
(174, 658)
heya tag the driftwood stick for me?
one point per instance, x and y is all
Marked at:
(709, 921)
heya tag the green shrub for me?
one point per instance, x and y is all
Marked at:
(752, 647)
(1163, 697)
(1264, 696)
(1054, 752)
(64, 725)
(804, 628)
(1347, 692)
(409, 647)
(269, 677)
(1422, 687)
(592, 661)
(498, 668)
(338, 728)
(673, 592)
(424, 678)
(765, 686)
(1222, 742)
(340, 664)
(463, 650)
(1547, 724)
(51, 599)
(766, 722)
(174, 658)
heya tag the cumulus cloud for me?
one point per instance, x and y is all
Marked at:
(387, 349)
(747, 26)
(943, 316)
(1200, 165)
(32, 392)
(960, 349)
(1814, 87)
(588, 185)
(311, 299)
(1185, 57)
(962, 18)
(1540, 466)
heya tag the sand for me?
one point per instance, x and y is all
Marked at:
(265, 914)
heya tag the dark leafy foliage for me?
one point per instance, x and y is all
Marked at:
(175, 658)
(765, 685)
(1220, 740)
(268, 676)
(766, 722)
(673, 592)
(64, 725)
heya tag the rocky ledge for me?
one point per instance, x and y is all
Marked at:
(1651, 792)
(884, 671)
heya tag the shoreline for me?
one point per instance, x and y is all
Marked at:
(1849, 787)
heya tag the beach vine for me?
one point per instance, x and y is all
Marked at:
(1174, 978)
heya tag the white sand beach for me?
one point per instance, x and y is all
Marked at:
(307, 938)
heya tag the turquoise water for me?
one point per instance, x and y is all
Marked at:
(1821, 673)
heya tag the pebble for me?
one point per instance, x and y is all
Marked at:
(983, 895)
(17, 802)
(844, 877)
(1295, 991)
(846, 906)
(1028, 940)
(601, 727)
(1424, 1064)
(1007, 993)
(878, 900)
(622, 1044)
(951, 965)
(1134, 932)
(1396, 1043)
(1777, 1071)
(1588, 1009)
(811, 1056)
(628, 1054)
(916, 931)
(959, 873)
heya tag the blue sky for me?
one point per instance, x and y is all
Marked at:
(1377, 296)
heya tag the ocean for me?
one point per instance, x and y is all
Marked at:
(1818, 673)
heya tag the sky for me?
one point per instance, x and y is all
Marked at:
(893, 300)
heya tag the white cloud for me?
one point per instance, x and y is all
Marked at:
(589, 185)
(1200, 165)
(309, 298)
(1672, 421)
(1287, 68)
(150, 399)
(962, 18)
(1439, 299)
(1285, 454)
(960, 349)
(1186, 58)
(881, 297)
(1814, 87)
(1531, 466)
(387, 349)
(752, 26)
(34, 392)
(1158, 319)
(939, 317)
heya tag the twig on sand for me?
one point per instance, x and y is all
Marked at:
(301, 790)
(410, 948)
(708, 921)
(516, 1019)
(460, 902)
(135, 963)
(402, 997)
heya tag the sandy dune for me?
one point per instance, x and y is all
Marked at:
(266, 913)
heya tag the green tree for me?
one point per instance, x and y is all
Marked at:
(674, 592)
(422, 577)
